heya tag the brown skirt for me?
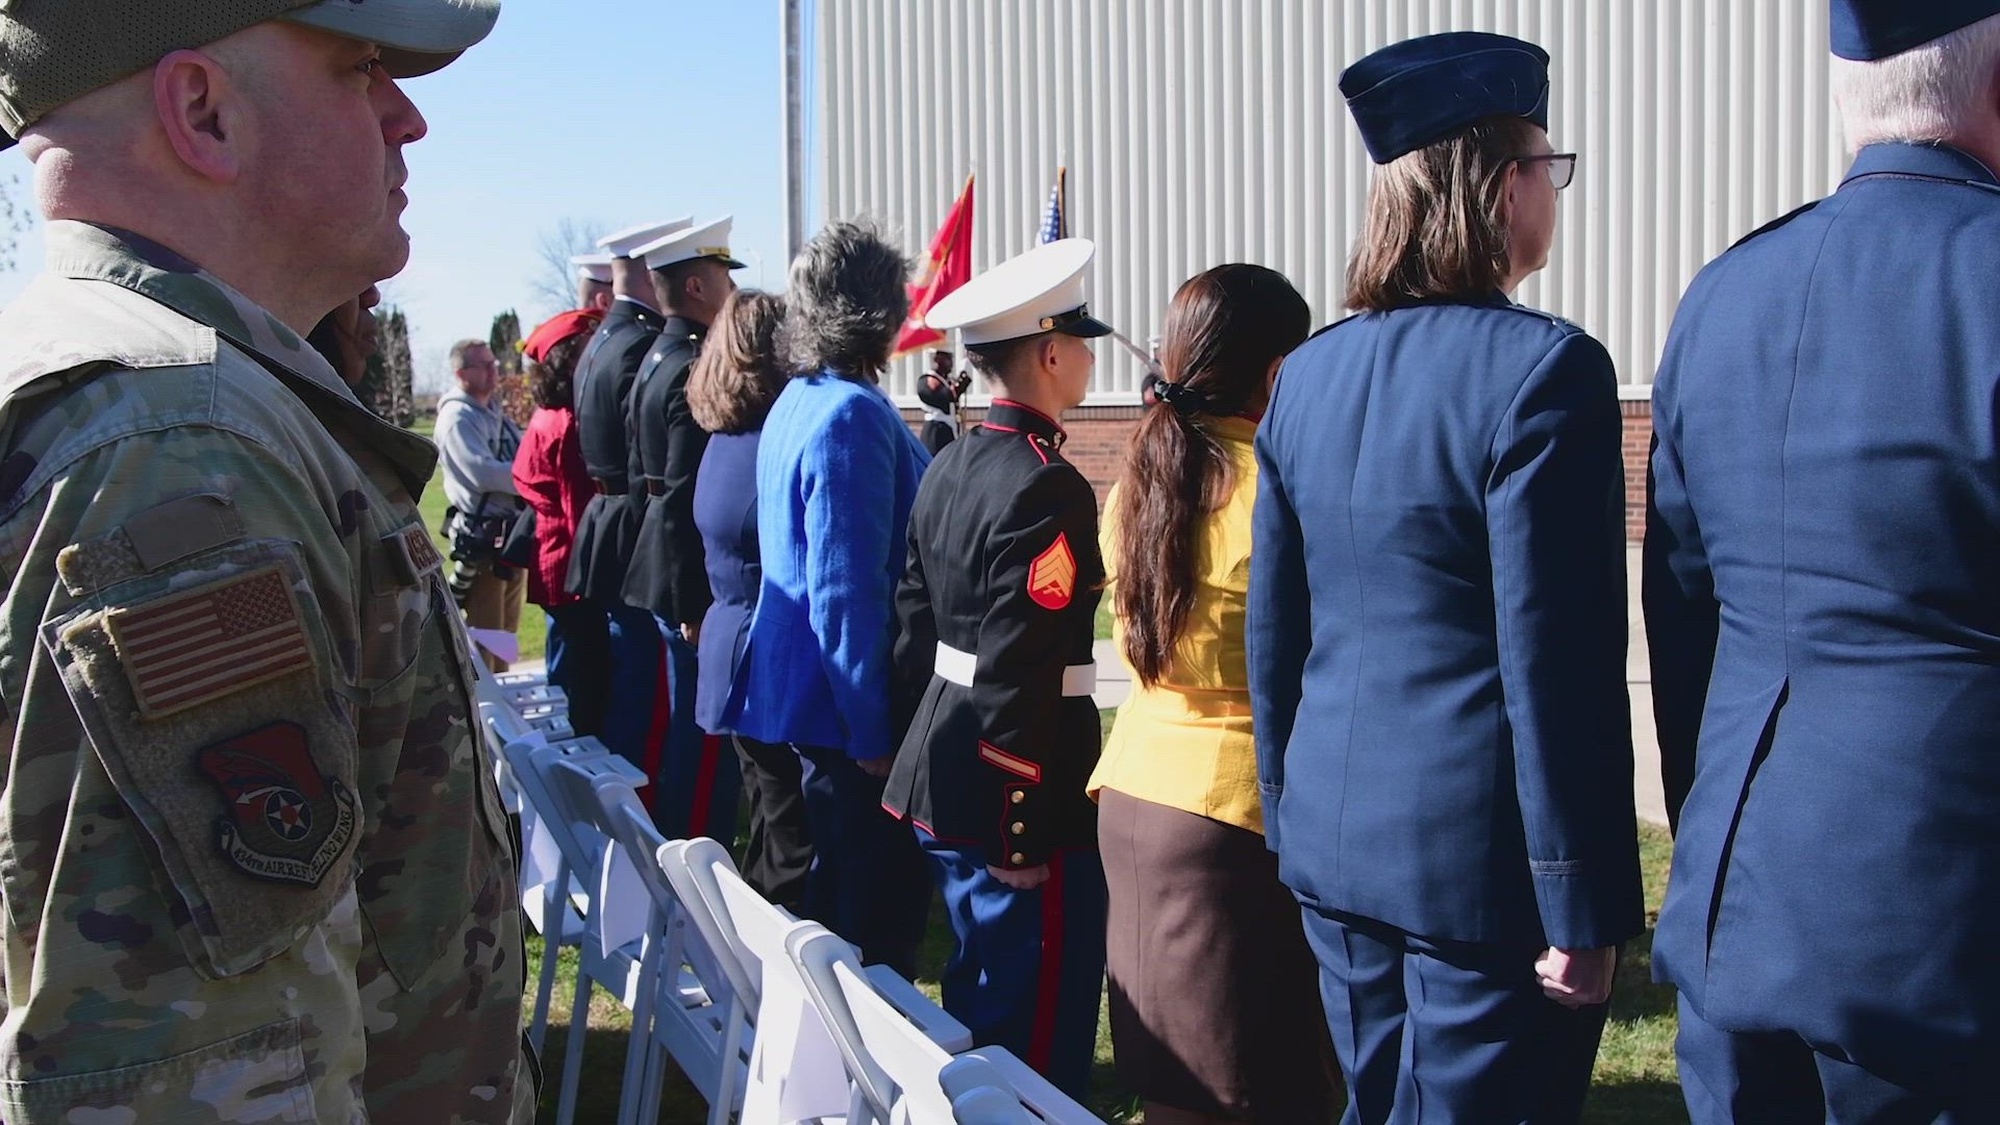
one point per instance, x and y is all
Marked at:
(1215, 1004)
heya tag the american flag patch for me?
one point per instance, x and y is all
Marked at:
(199, 646)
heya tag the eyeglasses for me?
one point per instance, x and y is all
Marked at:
(1562, 166)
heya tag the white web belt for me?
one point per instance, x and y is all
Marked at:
(959, 667)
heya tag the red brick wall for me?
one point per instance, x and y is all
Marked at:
(1097, 437)
(1638, 450)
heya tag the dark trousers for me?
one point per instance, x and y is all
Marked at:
(634, 682)
(695, 778)
(1776, 1078)
(1448, 1031)
(870, 882)
(778, 856)
(1027, 972)
(579, 661)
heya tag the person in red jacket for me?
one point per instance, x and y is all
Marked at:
(550, 473)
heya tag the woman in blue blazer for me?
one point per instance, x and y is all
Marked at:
(1437, 618)
(837, 471)
(731, 389)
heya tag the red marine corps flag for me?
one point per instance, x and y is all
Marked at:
(949, 266)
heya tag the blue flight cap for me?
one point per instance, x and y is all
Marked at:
(1421, 91)
(1865, 30)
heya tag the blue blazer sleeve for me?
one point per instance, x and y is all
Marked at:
(1683, 617)
(852, 557)
(1555, 526)
(1277, 629)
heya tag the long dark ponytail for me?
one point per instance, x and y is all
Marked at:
(1223, 330)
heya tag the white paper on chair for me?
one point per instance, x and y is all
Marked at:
(503, 645)
(626, 910)
(538, 866)
(795, 1069)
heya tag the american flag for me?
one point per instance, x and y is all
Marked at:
(192, 648)
(1055, 223)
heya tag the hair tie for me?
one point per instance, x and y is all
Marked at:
(1185, 400)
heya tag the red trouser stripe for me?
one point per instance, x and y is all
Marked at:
(1048, 983)
(704, 788)
(656, 731)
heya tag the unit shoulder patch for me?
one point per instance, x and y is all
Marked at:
(282, 820)
(1052, 576)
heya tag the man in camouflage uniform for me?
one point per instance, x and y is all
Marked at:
(252, 861)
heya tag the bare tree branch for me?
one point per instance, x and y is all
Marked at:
(14, 221)
(554, 284)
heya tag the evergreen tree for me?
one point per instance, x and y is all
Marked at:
(395, 397)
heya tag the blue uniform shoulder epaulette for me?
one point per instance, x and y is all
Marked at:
(1569, 327)
(1774, 224)
(1334, 325)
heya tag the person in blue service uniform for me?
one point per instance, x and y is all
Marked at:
(610, 521)
(1822, 546)
(837, 471)
(997, 614)
(695, 779)
(1436, 621)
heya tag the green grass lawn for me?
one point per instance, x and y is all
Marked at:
(1634, 1085)
(534, 632)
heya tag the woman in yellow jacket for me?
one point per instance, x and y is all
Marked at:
(1215, 1013)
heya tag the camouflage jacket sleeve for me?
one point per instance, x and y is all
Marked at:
(199, 756)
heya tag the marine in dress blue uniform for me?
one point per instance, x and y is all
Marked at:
(610, 523)
(1436, 642)
(996, 616)
(1822, 542)
(695, 776)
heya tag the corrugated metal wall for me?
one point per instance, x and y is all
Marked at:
(1204, 131)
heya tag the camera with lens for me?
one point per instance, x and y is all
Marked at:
(475, 547)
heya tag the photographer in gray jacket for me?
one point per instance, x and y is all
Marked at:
(478, 442)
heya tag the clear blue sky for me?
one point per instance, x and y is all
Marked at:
(613, 111)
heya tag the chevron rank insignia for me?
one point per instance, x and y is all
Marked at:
(1052, 576)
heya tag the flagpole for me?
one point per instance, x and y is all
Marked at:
(1145, 361)
(792, 33)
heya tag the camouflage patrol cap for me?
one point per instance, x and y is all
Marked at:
(55, 51)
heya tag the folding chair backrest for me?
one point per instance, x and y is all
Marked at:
(760, 926)
(691, 868)
(990, 1105)
(573, 826)
(908, 1073)
(623, 817)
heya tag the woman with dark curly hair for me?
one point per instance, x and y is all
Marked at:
(837, 471)
(549, 471)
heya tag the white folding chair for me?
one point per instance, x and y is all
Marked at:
(999, 1068)
(700, 868)
(980, 1096)
(880, 1043)
(795, 1069)
(891, 1063)
(690, 1003)
(581, 848)
(521, 681)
